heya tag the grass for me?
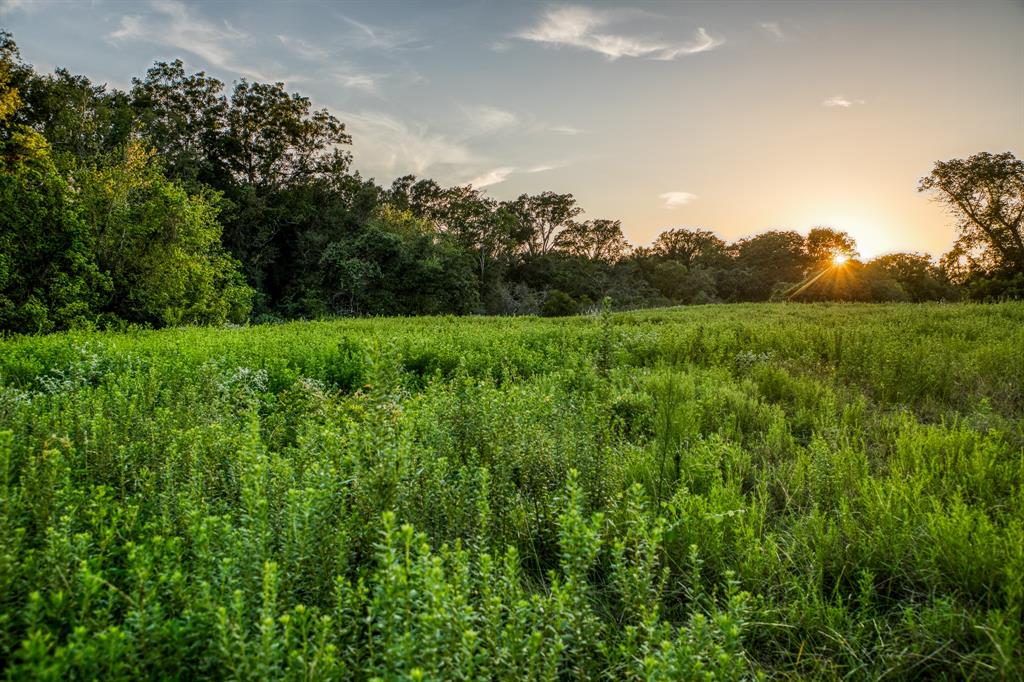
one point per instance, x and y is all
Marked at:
(718, 492)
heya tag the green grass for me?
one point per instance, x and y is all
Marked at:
(793, 491)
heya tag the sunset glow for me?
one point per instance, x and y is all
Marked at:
(661, 115)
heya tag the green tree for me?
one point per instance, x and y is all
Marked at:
(159, 245)
(183, 116)
(985, 194)
(541, 217)
(558, 304)
(691, 248)
(600, 240)
(79, 120)
(764, 261)
(823, 244)
(48, 276)
(398, 265)
(917, 276)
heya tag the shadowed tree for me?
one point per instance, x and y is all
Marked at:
(600, 240)
(422, 197)
(274, 139)
(823, 244)
(541, 217)
(273, 149)
(916, 275)
(78, 119)
(691, 247)
(183, 116)
(985, 193)
(764, 261)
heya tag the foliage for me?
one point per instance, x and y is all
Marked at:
(558, 304)
(793, 491)
(248, 177)
(48, 276)
(159, 246)
(985, 193)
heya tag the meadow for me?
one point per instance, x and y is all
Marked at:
(714, 492)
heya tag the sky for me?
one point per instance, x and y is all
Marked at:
(732, 116)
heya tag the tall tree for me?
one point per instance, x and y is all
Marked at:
(78, 119)
(48, 275)
(159, 245)
(600, 240)
(274, 146)
(691, 247)
(183, 116)
(915, 274)
(985, 193)
(764, 261)
(273, 139)
(823, 244)
(541, 217)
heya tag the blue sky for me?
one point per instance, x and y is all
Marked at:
(733, 116)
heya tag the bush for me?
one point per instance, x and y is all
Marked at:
(558, 304)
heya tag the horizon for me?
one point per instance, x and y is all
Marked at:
(855, 98)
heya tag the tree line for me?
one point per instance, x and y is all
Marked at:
(185, 201)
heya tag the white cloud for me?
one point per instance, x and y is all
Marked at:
(676, 199)
(366, 36)
(579, 27)
(499, 175)
(565, 130)
(492, 177)
(482, 120)
(356, 81)
(303, 48)
(176, 26)
(384, 144)
(486, 120)
(841, 101)
(773, 29)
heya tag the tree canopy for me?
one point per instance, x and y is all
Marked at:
(186, 200)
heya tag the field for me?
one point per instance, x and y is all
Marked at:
(715, 492)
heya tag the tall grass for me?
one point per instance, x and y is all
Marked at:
(715, 492)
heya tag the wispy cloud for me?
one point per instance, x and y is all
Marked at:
(773, 29)
(499, 175)
(303, 48)
(326, 66)
(677, 199)
(580, 27)
(483, 119)
(175, 25)
(367, 36)
(841, 101)
(355, 81)
(565, 130)
(492, 177)
(385, 144)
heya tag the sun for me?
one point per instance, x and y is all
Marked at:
(840, 259)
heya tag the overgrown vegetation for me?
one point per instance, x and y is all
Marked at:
(187, 201)
(711, 492)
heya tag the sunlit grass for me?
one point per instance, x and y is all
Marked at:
(808, 491)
